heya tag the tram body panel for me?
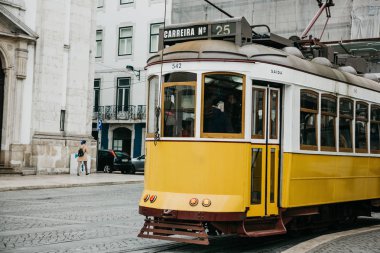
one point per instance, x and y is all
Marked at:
(216, 170)
(310, 179)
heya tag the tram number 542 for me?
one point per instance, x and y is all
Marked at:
(176, 65)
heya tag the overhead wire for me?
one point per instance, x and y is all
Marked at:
(134, 82)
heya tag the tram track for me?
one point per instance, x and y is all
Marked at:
(229, 243)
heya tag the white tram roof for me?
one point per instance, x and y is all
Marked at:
(218, 49)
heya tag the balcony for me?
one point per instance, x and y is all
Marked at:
(119, 112)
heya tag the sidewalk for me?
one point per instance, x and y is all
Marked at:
(12, 183)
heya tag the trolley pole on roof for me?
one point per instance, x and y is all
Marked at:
(322, 7)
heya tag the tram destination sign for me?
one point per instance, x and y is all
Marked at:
(235, 29)
(221, 29)
(195, 31)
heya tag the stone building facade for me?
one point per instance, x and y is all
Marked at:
(46, 82)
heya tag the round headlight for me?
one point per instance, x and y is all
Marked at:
(206, 202)
(193, 202)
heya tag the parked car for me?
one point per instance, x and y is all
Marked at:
(112, 160)
(138, 163)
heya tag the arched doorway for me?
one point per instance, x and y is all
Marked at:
(122, 140)
(2, 75)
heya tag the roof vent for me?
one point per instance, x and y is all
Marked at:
(348, 69)
(322, 60)
(294, 51)
(371, 76)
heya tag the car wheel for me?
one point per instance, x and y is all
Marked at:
(133, 169)
(107, 169)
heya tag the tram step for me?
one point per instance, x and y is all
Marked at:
(177, 231)
(264, 228)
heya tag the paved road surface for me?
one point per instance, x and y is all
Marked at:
(105, 219)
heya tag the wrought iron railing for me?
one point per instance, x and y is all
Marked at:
(119, 112)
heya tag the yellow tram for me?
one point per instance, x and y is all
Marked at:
(251, 140)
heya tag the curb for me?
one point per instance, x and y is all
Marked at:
(39, 187)
(312, 244)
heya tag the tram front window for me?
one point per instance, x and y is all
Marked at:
(152, 103)
(222, 103)
(179, 110)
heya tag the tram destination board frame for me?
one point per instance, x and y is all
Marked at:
(237, 30)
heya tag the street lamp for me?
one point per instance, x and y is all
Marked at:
(136, 72)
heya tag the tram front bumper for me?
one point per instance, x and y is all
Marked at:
(191, 215)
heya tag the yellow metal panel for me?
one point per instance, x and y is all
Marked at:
(322, 179)
(206, 168)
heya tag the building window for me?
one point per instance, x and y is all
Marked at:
(62, 121)
(126, 1)
(154, 37)
(125, 40)
(99, 43)
(346, 115)
(222, 105)
(123, 87)
(375, 129)
(308, 119)
(100, 3)
(96, 94)
(361, 121)
(258, 113)
(328, 116)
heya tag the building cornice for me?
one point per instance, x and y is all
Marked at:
(18, 6)
(28, 32)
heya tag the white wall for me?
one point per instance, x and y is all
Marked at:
(140, 15)
(63, 65)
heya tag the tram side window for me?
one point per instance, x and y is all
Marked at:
(222, 104)
(179, 110)
(346, 115)
(361, 121)
(375, 129)
(328, 115)
(152, 103)
(258, 113)
(308, 119)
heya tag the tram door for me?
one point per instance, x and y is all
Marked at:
(264, 150)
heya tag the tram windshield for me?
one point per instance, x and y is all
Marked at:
(179, 105)
(222, 103)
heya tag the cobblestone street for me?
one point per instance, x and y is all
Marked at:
(91, 219)
(106, 219)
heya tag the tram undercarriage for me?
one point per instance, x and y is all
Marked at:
(196, 227)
